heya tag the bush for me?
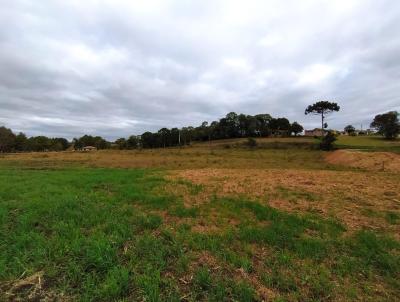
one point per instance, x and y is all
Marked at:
(251, 142)
(327, 141)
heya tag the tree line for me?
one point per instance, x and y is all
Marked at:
(233, 125)
(10, 142)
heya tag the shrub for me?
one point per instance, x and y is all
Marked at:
(327, 141)
(251, 142)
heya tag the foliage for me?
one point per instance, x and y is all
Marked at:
(327, 141)
(231, 126)
(349, 129)
(9, 142)
(88, 140)
(296, 128)
(322, 108)
(387, 124)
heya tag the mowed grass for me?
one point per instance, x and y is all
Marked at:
(368, 143)
(106, 234)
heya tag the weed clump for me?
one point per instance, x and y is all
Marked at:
(251, 142)
(327, 141)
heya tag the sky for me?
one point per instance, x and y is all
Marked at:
(116, 68)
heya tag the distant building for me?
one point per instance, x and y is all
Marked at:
(89, 148)
(314, 132)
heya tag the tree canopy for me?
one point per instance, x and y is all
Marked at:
(387, 124)
(349, 129)
(322, 108)
(10, 142)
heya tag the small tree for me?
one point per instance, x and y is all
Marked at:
(327, 141)
(349, 129)
(387, 124)
(322, 108)
(296, 128)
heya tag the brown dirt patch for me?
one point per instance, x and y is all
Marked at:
(374, 161)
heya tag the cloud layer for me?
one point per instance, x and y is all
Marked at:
(116, 68)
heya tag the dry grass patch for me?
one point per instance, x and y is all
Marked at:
(373, 161)
(196, 157)
(343, 194)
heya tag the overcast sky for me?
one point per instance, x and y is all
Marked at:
(115, 68)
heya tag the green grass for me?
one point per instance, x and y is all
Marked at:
(100, 235)
(368, 143)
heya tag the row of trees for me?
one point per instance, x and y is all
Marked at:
(231, 126)
(10, 142)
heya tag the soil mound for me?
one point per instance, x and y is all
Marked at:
(374, 161)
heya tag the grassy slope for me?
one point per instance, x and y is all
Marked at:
(110, 234)
(368, 143)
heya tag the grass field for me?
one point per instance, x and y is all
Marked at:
(368, 143)
(205, 223)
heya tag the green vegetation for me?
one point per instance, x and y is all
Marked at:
(109, 234)
(387, 124)
(368, 143)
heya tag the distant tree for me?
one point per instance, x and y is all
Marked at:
(322, 108)
(77, 143)
(21, 142)
(164, 133)
(88, 140)
(252, 125)
(296, 128)
(151, 140)
(132, 142)
(214, 126)
(279, 126)
(264, 121)
(349, 129)
(39, 143)
(7, 140)
(387, 124)
(121, 143)
(174, 137)
(232, 123)
(58, 144)
(327, 141)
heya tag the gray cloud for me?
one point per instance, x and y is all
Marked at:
(116, 68)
